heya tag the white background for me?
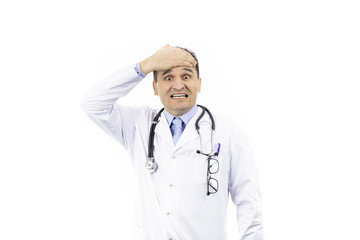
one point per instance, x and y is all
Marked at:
(288, 71)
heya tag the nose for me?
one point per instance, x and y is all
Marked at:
(178, 83)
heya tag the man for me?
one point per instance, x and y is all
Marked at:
(198, 158)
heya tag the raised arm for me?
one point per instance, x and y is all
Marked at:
(99, 102)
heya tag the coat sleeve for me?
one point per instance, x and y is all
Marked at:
(244, 189)
(99, 103)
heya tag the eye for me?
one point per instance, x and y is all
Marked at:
(186, 77)
(168, 78)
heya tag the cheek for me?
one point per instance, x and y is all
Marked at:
(159, 89)
(162, 93)
(195, 88)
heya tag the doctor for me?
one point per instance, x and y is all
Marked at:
(194, 161)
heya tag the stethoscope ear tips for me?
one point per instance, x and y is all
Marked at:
(207, 154)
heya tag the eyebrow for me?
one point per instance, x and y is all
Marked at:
(166, 72)
(184, 69)
(187, 69)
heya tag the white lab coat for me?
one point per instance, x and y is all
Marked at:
(172, 203)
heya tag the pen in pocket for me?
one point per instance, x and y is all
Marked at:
(218, 150)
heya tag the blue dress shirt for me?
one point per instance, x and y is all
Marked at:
(185, 118)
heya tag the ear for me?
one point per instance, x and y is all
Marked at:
(156, 93)
(199, 87)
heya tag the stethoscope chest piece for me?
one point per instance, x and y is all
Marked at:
(151, 165)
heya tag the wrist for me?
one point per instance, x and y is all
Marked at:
(145, 66)
(138, 70)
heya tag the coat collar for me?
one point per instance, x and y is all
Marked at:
(185, 118)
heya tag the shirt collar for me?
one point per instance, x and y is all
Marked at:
(185, 118)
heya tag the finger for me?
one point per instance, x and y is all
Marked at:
(190, 58)
(184, 63)
(191, 61)
(187, 61)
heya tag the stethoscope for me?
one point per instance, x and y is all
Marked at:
(151, 164)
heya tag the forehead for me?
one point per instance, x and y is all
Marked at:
(178, 70)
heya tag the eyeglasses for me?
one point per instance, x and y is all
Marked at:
(212, 183)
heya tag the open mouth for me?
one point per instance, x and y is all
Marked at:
(182, 95)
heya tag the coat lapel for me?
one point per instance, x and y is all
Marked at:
(189, 133)
(162, 130)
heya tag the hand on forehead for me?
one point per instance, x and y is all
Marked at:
(166, 58)
(182, 54)
(169, 57)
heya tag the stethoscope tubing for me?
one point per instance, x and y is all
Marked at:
(151, 164)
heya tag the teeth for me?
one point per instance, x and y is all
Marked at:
(179, 96)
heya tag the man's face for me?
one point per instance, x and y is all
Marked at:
(178, 88)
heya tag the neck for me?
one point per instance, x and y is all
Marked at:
(178, 113)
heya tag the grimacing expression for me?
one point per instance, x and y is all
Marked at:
(178, 88)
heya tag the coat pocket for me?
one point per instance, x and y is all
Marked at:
(199, 171)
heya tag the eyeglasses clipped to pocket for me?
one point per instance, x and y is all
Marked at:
(205, 168)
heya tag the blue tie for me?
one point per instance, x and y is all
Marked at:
(176, 127)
